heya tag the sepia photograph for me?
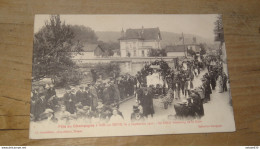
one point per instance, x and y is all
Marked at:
(123, 75)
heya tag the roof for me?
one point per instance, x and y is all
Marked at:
(89, 47)
(177, 48)
(143, 33)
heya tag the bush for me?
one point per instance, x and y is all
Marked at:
(108, 70)
(69, 77)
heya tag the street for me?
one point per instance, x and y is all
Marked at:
(211, 108)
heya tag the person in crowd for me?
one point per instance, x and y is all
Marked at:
(177, 89)
(50, 91)
(187, 87)
(69, 100)
(94, 96)
(213, 80)
(207, 90)
(197, 105)
(224, 82)
(116, 117)
(63, 115)
(80, 95)
(100, 88)
(80, 113)
(88, 97)
(220, 83)
(40, 105)
(48, 116)
(106, 94)
(137, 116)
(33, 107)
(94, 75)
(53, 102)
(147, 103)
(103, 113)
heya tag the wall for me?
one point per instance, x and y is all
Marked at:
(175, 54)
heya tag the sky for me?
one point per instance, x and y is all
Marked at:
(201, 25)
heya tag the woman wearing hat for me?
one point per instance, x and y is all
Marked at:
(220, 83)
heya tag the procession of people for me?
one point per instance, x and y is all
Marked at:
(99, 100)
(95, 100)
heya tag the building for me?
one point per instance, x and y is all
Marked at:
(89, 51)
(174, 51)
(138, 42)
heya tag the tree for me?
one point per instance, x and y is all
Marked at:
(84, 34)
(53, 47)
(108, 47)
(219, 31)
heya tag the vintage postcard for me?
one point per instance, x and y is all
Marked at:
(124, 75)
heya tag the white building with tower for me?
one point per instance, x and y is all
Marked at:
(138, 42)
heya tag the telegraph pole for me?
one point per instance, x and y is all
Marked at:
(184, 45)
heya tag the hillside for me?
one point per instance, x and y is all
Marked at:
(168, 38)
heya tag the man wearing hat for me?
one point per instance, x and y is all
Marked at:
(212, 77)
(206, 85)
(69, 100)
(40, 105)
(50, 92)
(197, 105)
(93, 92)
(147, 103)
(80, 94)
(106, 94)
(87, 101)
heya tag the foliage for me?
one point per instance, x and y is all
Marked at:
(84, 34)
(219, 31)
(68, 77)
(108, 69)
(108, 47)
(53, 45)
(157, 53)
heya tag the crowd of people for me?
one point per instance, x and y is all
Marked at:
(97, 100)
(215, 76)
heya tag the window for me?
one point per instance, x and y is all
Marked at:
(142, 53)
(134, 52)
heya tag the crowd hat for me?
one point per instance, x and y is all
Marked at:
(79, 105)
(68, 88)
(47, 86)
(100, 105)
(86, 108)
(73, 91)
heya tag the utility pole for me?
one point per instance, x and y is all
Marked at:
(185, 52)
